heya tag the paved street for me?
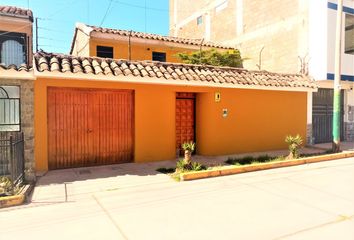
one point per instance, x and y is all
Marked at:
(314, 201)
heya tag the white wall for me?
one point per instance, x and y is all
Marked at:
(322, 26)
(318, 39)
(347, 59)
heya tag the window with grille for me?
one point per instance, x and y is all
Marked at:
(13, 48)
(10, 113)
(104, 51)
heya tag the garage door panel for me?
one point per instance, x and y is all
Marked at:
(89, 127)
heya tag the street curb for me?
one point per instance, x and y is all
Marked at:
(230, 170)
(17, 199)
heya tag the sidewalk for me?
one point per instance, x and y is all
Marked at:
(76, 183)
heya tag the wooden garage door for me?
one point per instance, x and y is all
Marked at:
(185, 119)
(88, 127)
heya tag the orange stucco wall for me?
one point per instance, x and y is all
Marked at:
(139, 51)
(258, 120)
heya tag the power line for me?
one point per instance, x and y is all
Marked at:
(55, 40)
(62, 9)
(51, 30)
(105, 15)
(142, 7)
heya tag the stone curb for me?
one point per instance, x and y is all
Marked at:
(230, 170)
(18, 199)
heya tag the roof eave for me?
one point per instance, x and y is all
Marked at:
(30, 18)
(162, 81)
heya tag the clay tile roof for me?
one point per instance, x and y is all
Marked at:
(22, 67)
(151, 36)
(16, 11)
(170, 71)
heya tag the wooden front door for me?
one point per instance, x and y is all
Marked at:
(88, 127)
(185, 118)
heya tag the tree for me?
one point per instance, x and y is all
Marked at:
(230, 58)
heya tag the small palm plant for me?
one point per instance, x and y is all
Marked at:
(188, 148)
(294, 145)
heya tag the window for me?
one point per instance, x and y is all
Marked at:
(221, 6)
(104, 52)
(9, 108)
(159, 56)
(349, 34)
(199, 20)
(13, 48)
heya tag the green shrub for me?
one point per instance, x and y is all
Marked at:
(264, 158)
(183, 166)
(6, 186)
(195, 166)
(246, 160)
(251, 160)
(166, 170)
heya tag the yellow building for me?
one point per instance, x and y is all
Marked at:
(122, 44)
(93, 111)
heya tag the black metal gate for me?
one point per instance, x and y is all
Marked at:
(12, 162)
(322, 114)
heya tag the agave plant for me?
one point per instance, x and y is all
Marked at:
(294, 143)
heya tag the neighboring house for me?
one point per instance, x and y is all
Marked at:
(281, 36)
(123, 44)
(15, 36)
(16, 79)
(94, 111)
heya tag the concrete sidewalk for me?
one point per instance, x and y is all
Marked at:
(72, 184)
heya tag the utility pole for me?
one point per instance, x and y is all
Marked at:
(337, 78)
(36, 34)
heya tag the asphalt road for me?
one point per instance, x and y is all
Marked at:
(314, 201)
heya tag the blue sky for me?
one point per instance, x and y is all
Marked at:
(58, 17)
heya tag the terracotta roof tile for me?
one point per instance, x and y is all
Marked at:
(151, 36)
(21, 68)
(169, 71)
(16, 11)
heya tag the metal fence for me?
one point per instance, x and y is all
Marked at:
(12, 162)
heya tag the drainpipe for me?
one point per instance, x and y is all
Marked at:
(200, 51)
(129, 46)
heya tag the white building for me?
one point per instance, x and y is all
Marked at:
(282, 36)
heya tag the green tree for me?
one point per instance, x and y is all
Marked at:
(230, 58)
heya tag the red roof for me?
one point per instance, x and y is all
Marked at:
(16, 11)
